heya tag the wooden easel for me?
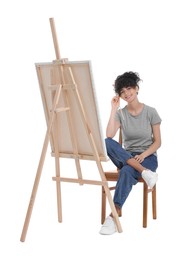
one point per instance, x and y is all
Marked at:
(52, 133)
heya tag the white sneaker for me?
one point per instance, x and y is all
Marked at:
(150, 177)
(109, 227)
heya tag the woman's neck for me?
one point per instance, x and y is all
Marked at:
(135, 107)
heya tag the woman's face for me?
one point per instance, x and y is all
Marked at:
(128, 94)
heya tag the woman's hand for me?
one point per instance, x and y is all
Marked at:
(139, 158)
(115, 102)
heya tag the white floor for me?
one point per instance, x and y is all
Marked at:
(116, 36)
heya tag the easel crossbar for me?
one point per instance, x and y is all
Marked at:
(61, 109)
(84, 181)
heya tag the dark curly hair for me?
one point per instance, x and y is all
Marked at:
(128, 79)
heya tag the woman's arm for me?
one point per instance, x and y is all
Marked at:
(113, 125)
(155, 145)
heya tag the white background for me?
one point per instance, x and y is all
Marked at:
(117, 36)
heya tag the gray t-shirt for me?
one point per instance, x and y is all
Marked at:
(137, 130)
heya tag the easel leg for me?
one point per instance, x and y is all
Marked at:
(93, 145)
(35, 187)
(58, 190)
(57, 165)
(40, 166)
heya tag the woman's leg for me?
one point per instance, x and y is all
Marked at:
(128, 177)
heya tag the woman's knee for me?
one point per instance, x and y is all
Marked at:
(111, 142)
(108, 142)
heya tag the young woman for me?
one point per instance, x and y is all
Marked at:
(140, 126)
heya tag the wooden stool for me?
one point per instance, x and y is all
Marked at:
(113, 176)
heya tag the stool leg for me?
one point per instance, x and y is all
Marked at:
(120, 213)
(154, 211)
(145, 204)
(103, 206)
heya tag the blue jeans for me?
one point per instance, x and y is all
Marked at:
(128, 176)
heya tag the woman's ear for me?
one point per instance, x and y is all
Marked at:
(137, 89)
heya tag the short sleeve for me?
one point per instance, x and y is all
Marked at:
(154, 116)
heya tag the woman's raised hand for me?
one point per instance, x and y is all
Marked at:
(115, 102)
